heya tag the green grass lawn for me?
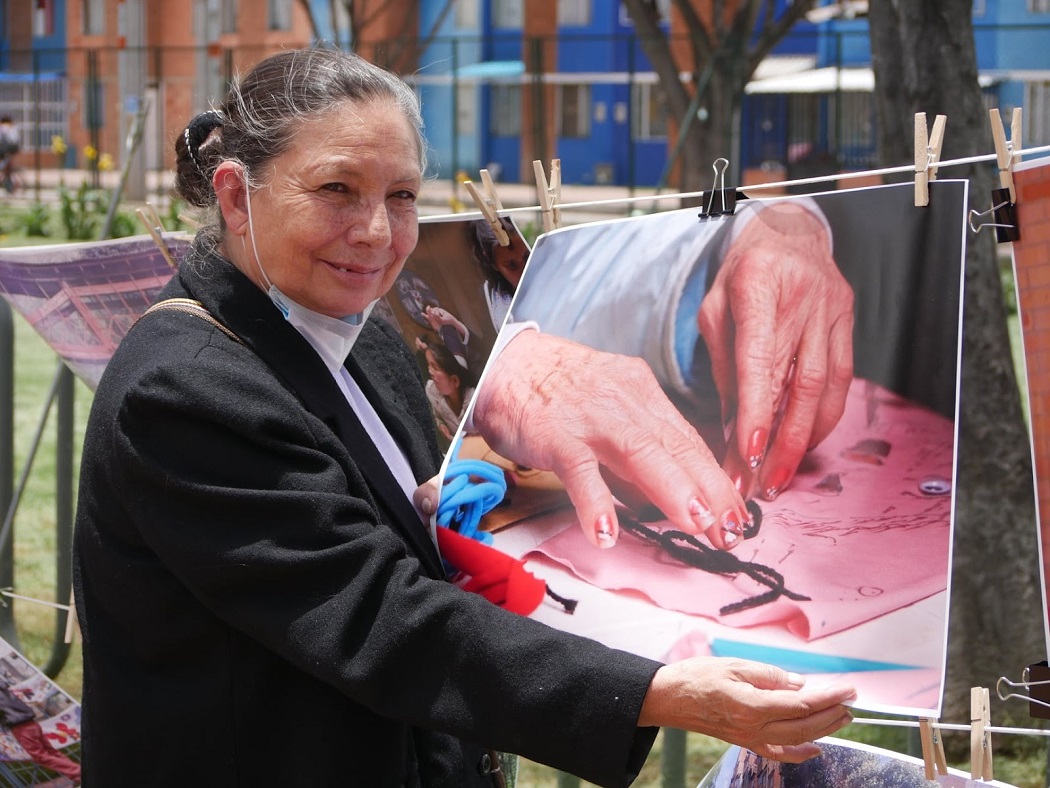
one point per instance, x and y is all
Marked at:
(34, 524)
(34, 535)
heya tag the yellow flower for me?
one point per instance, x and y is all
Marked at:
(90, 153)
(105, 162)
(58, 145)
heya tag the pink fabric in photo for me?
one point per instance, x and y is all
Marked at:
(863, 529)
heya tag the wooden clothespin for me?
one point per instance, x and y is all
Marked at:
(927, 155)
(1006, 153)
(980, 740)
(72, 622)
(932, 749)
(549, 194)
(489, 204)
(154, 228)
(1004, 199)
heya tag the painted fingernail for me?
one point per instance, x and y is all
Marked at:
(756, 449)
(752, 519)
(701, 514)
(731, 529)
(603, 530)
(736, 476)
(777, 480)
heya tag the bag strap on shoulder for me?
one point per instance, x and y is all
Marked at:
(191, 307)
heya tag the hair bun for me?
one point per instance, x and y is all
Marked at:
(197, 132)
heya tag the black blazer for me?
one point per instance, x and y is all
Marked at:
(260, 603)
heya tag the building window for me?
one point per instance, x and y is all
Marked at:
(648, 112)
(855, 137)
(466, 109)
(43, 18)
(279, 14)
(228, 16)
(467, 14)
(508, 14)
(574, 13)
(93, 104)
(663, 13)
(94, 13)
(505, 111)
(803, 126)
(574, 111)
(1036, 114)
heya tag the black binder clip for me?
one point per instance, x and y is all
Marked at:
(1034, 678)
(720, 201)
(1004, 217)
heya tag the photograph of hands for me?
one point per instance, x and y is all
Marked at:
(736, 436)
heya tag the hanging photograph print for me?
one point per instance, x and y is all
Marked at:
(39, 726)
(1030, 254)
(839, 567)
(83, 297)
(841, 764)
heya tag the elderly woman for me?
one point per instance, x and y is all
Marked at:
(261, 601)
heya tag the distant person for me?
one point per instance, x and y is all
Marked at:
(10, 144)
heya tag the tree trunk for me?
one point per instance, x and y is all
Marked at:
(726, 44)
(924, 59)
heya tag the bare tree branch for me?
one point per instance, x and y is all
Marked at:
(654, 43)
(775, 31)
(436, 27)
(698, 32)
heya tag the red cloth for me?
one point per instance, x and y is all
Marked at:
(500, 578)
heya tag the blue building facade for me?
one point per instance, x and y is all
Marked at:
(607, 118)
(32, 68)
(809, 109)
(46, 23)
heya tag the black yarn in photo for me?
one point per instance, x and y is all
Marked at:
(692, 552)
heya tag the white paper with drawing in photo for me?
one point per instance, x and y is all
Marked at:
(864, 529)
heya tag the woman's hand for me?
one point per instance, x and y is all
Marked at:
(560, 406)
(427, 496)
(778, 324)
(754, 705)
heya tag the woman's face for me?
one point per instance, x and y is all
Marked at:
(335, 216)
(510, 260)
(445, 384)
